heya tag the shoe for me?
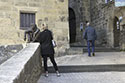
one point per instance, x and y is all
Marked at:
(46, 74)
(58, 74)
(93, 54)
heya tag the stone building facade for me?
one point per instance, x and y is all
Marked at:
(105, 18)
(53, 12)
(101, 12)
(81, 8)
(64, 18)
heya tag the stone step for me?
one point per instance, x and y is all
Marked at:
(74, 50)
(90, 68)
(84, 77)
(81, 50)
(103, 49)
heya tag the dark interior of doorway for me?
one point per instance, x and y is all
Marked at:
(72, 26)
(116, 32)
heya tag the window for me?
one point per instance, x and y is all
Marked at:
(26, 19)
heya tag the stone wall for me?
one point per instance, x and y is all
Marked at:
(82, 12)
(102, 21)
(101, 15)
(121, 12)
(24, 67)
(122, 38)
(53, 12)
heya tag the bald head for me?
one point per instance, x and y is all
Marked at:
(87, 23)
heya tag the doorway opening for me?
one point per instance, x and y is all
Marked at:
(72, 26)
(116, 32)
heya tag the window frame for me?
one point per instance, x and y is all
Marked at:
(25, 27)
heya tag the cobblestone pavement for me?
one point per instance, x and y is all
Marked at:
(96, 77)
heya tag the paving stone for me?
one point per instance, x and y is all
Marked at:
(103, 77)
(101, 58)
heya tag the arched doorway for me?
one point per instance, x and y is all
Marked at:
(72, 25)
(116, 32)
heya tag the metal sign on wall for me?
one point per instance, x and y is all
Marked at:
(119, 3)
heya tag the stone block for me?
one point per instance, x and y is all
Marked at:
(21, 4)
(2, 15)
(34, 4)
(5, 22)
(5, 8)
(6, 0)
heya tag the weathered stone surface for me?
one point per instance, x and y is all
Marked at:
(21, 4)
(34, 4)
(99, 18)
(122, 38)
(82, 14)
(86, 77)
(102, 18)
(24, 67)
(50, 11)
(5, 22)
(5, 8)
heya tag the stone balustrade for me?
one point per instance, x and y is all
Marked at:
(23, 67)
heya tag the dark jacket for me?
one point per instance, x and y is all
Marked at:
(90, 34)
(45, 38)
(35, 35)
(31, 35)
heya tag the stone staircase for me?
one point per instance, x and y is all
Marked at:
(80, 50)
(90, 68)
(81, 68)
(102, 62)
(74, 50)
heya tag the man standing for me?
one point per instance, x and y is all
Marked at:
(90, 36)
(31, 34)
